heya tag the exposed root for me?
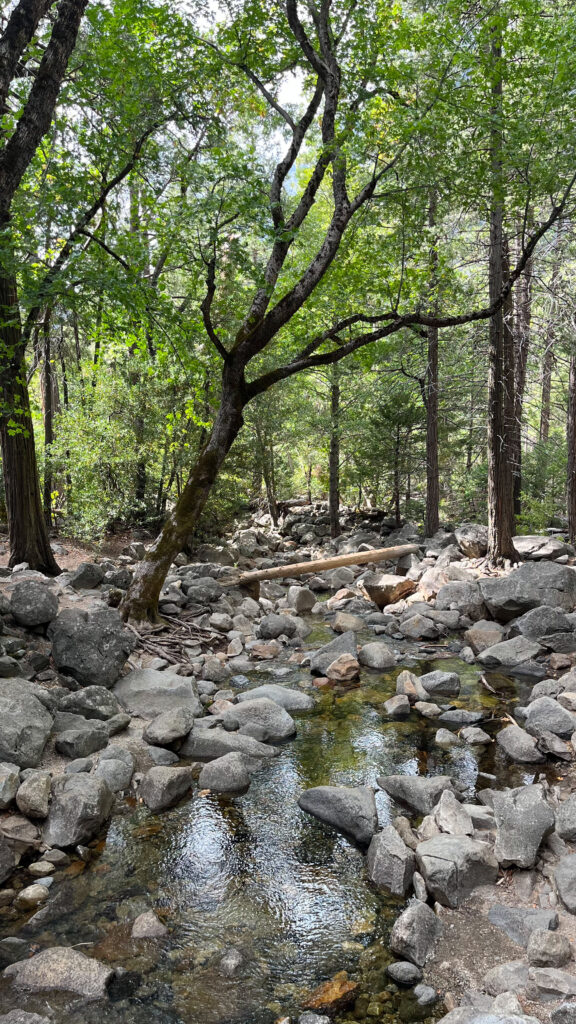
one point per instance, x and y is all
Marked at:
(171, 637)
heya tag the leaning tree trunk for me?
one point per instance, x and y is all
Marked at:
(571, 442)
(141, 600)
(27, 531)
(334, 457)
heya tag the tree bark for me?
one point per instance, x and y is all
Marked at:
(432, 516)
(522, 321)
(571, 443)
(396, 486)
(548, 360)
(334, 456)
(48, 420)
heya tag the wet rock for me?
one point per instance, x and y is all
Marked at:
(81, 804)
(549, 983)
(548, 949)
(351, 811)
(546, 715)
(25, 724)
(148, 693)
(397, 707)
(506, 977)
(445, 738)
(403, 972)
(324, 656)
(33, 796)
(32, 896)
(531, 585)
(277, 724)
(163, 787)
(334, 995)
(61, 969)
(565, 881)
(9, 783)
(519, 745)
(376, 655)
(170, 726)
(92, 702)
(419, 793)
(148, 926)
(272, 626)
(227, 774)
(464, 596)
(519, 923)
(415, 932)
(208, 744)
(343, 669)
(459, 716)
(426, 709)
(386, 588)
(91, 646)
(287, 698)
(441, 683)
(523, 819)
(33, 603)
(453, 866)
(472, 539)
(425, 995)
(231, 963)
(87, 576)
(409, 685)
(509, 653)
(451, 817)
(475, 736)
(389, 863)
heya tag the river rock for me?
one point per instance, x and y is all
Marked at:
(33, 603)
(531, 585)
(464, 596)
(334, 995)
(472, 539)
(285, 696)
(418, 627)
(343, 622)
(25, 724)
(33, 796)
(506, 977)
(324, 656)
(87, 576)
(541, 622)
(419, 793)
(163, 787)
(523, 818)
(415, 932)
(23, 1017)
(92, 702)
(203, 744)
(565, 881)
(310, 1018)
(474, 736)
(9, 782)
(460, 716)
(272, 626)
(389, 863)
(81, 804)
(91, 646)
(550, 983)
(548, 949)
(349, 810)
(386, 588)
(519, 922)
(343, 669)
(61, 969)
(276, 723)
(82, 740)
(563, 1014)
(403, 972)
(453, 866)
(519, 745)
(148, 693)
(510, 653)
(484, 633)
(301, 599)
(227, 774)
(148, 926)
(115, 772)
(451, 817)
(566, 819)
(397, 707)
(546, 715)
(376, 655)
(441, 683)
(170, 726)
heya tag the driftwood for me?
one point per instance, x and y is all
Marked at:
(252, 579)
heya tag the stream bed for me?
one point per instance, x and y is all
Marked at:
(261, 900)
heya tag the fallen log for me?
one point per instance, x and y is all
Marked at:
(253, 578)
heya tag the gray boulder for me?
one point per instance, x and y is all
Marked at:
(91, 646)
(523, 819)
(472, 539)
(33, 603)
(62, 969)
(541, 622)
(287, 698)
(91, 702)
(170, 726)
(228, 774)
(510, 653)
(441, 683)
(324, 656)
(204, 744)
(519, 745)
(23, 1017)
(566, 819)
(550, 983)
(419, 793)
(546, 715)
(397, 707)
(403, 972)
(506, 977)
(81, 805)
(87, 576)
(9, 783)
(465, 597)
(451, 817)
(115, 772)
(349, 810)
(532, 585)
(389, 863)
(163, 787)
(548, 949)
(276, 723)
(272, 626)
(148, 693)
(564, 1014)
(376, 655)
(84, 738)
(25, 724)
(415, 933)
(565, 881)
(453, 866)
(519, 922)
(33, 796)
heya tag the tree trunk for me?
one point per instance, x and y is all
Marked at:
(141, 600)
(522, 322)
(334, 458)
(396, 491)
(500, 476)
(48, 420)
(26, 526)
(548, 361)
(571, 442)
(432, 516)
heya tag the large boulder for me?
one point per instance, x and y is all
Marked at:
(61, 969)
(324, 656)
(163, 787)
(465, 597)
(534, 547)
(91, 646)
(228, 774)
(376, 655)
(532, 585)
(541, 622)
(208, 744)
(453, 866)
(274, 722)
(419, 793)
(170, 726)
(414, 933)
(519, 745)
(546, 715)
(81, 805)
(566, 819)
(273, 626)
(565, 881)
(285, 696)
(523, 818)
(509, 653)
(87, 576)
(91, 702)
(33, 603)
(148, 693)
(25, 724)
(350, 810)
(472, 539)
(441, 683)
(519, 922)
(386, 588)
(484, 633)
(389, 863)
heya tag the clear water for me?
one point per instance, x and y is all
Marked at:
(257, 875)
